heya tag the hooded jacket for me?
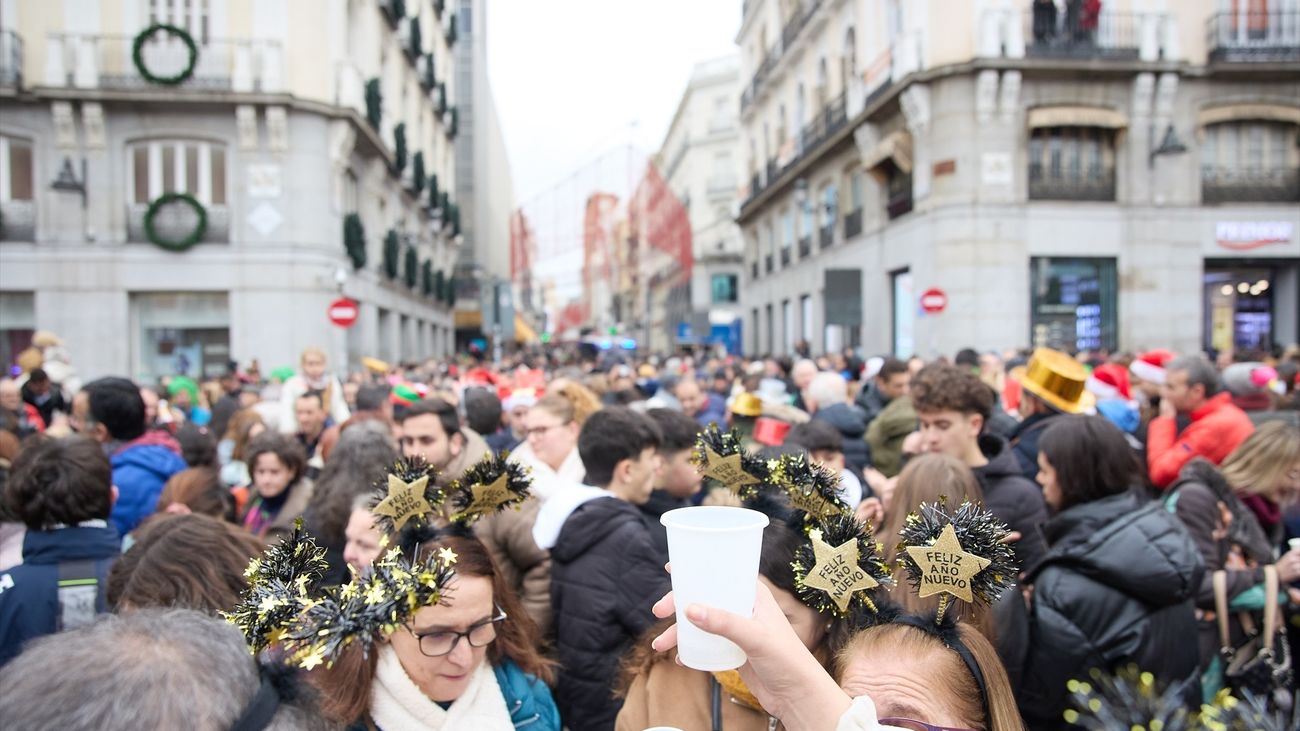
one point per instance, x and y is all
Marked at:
(1116, 588)
(850, 423)
(886, 433)
(29, 592)
(1024, 441)
(140, 469)
(605, 575)
(871, 401)
(659, 503)
(1014, 499)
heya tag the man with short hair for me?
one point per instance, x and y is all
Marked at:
(825, 446)
(43, 395)
(704, 407)
(889, 383)
(227, 405)
(678, 480)
(151, 669)
(605, 569)
(827, 399)
(801, 375)
(1216, 427)
(309, 411)
(953, 405)
(483, 415)
(431, 429)
(62, 490)
(142, 460)
(1053, 386)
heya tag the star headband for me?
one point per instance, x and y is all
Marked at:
(280, 584)
(838, 567)
(811, 488)
(963, 554)
(413, 498)
(720, 457)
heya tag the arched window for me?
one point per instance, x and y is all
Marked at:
(1250, 161)
(17, 189)
(195, 167)
(821, 92)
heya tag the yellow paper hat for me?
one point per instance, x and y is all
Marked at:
(1057, 379)
(747, 404)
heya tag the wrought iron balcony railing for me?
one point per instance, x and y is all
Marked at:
(1054, 34)
(852, 224)
(106, 62)
(1254, 36)
(1233, 185)
(1080, 186)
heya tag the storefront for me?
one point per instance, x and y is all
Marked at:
(1073, 303)
(180, 333)
(1250, 287)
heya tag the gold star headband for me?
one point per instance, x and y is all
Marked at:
(719, 456)
(838, 567)
(962, 554)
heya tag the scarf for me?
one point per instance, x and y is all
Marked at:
(397, 703)
(262, 511)
(732, 684)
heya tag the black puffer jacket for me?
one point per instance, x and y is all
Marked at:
(605, 575)
(1116, 588)
(1024, 441)
(852, 425)
(1015, 500)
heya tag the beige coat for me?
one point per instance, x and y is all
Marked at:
(676, 696)
(508, 536)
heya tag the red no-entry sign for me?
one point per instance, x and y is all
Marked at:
(934, 300)
(343, 312)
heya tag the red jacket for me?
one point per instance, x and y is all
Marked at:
(1217, 428)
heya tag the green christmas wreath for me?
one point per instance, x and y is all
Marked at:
(412, 269)
(391, 248)
(354, 240)
(175, 244)
(137, 54)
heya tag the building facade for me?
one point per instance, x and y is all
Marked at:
(1127, 180)
(185, 184)
(699, 163)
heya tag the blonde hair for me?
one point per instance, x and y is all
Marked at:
(948, 678)
(585, 403)
(558, 406)
(313, 350)
(926, 479)
(1259, 464)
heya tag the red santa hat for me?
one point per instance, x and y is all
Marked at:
(1150, 366)
(1109, 381)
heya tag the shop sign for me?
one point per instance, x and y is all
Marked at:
(1248, 235)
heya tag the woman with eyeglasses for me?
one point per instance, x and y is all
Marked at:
(468, 663)
(550, 445)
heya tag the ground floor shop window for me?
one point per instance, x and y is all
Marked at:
(181, 333)
(17, 325)
(904, 306)
(1073, 303)
(1244, 307)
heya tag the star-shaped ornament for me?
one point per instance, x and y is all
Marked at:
(405, 500)
(727, 470)
(312, 659)
(811, 503)
(447, 556)
(837, 571)
(489, 498)
(945, 567)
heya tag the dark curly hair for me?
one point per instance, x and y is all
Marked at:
(60, 482)
(286, 448)
(942, 387)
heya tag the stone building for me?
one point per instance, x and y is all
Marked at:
(1124, 180)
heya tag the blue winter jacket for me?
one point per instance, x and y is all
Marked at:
(29, 592)
(139, 472)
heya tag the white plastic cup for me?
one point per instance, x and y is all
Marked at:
(714, 551)
(1294, 544)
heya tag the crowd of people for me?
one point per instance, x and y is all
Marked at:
(1150, 498)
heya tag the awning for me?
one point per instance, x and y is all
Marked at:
(1072, 116)
(468, 319)
(897, 146)
(523, 332)
(1265, 112)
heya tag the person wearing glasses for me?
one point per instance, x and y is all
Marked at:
(550, 448)
(469, 663)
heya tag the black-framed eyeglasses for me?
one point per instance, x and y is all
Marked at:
(914, 725)
(444, 641)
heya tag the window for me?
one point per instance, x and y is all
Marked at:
(904, 306)
(16, 172)
(856, 198)
(1073, 303)
(830, 203)
(350, 200)
(898, 188)
(1072, 163)
(726, 288)
(194, 16)
(178, 166)
(787, 235)
(1250, 161)
(183, 333)
(18, 324)
(806, 319)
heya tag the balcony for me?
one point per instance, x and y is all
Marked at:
(826, 235)
(805, 247)
(767, 263)
(830, 120)
(1233, 185)
(105, 62)
(1051, 34)
(176, 221)
(1092, 185)
(18, 221)
(11, 60)
(1253, 37)
(852, 224)
(899, 204)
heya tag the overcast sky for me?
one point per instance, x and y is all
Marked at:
(574, 79)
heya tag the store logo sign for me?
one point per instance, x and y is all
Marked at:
(1247, 235)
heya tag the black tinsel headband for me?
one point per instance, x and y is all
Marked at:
(962, 554)
(945, 630)
(722, 459)
(838, 566)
